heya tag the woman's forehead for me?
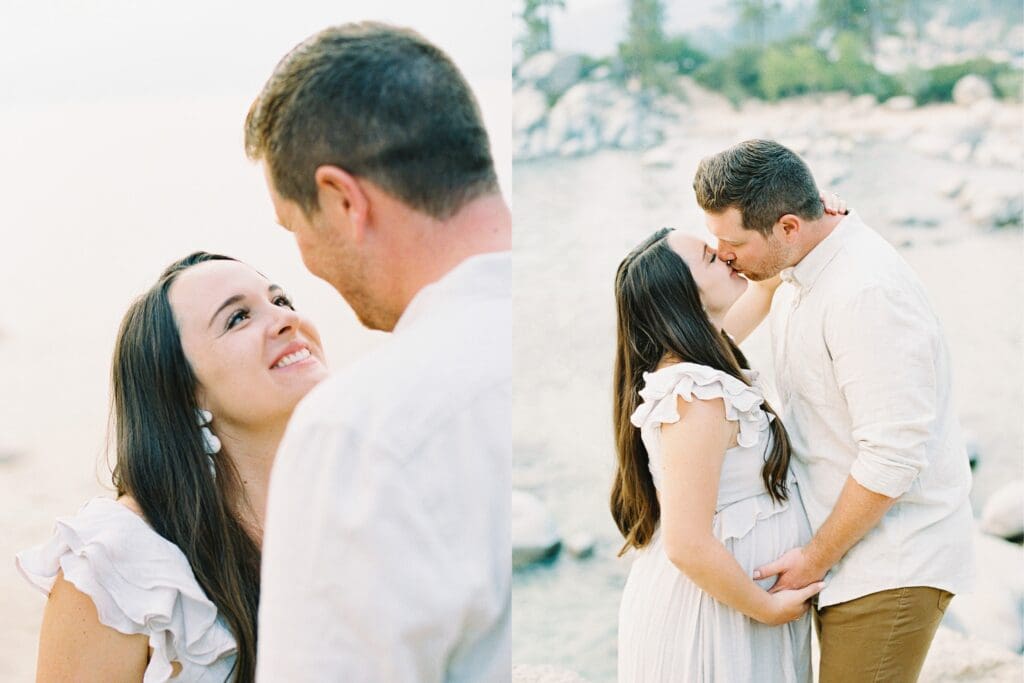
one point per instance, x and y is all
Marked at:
(208, 284)
(687, 246)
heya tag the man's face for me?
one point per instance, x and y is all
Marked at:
(747, 251)
(330, 255)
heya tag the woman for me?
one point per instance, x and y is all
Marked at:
(702, 491)
(164, 582)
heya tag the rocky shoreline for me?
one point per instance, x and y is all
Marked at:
(563, 110)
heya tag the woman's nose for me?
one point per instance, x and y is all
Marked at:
(285, 321)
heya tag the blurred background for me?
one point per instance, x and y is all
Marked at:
(121, 130)
(910, 109)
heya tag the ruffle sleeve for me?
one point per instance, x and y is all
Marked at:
(140, 583)
(690, 380)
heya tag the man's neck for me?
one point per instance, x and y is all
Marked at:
(436, 247)
(817, 231)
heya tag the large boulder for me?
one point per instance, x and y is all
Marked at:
(956, 658)
(529, 107)
(994, 610)
(970, 89)
(577, 119)
(1003, 514)
(534, 534)
(523, 673)
(551, 72)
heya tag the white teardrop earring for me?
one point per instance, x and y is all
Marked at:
(211, 444)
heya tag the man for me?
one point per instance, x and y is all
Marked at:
(387, 552)
(863, 374)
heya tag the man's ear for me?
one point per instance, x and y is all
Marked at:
(788, 227)
(341, 197)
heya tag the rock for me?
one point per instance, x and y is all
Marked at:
(523, 673)
(952, 186)
(1003, 514)
(932, 144)
(863, 103)
(581, 545)
(995, 203)
(955, 658)
(534, 534)
(961, 152)
(529, 108)
(971, 88)
(971, 442)
(900, 103)
(579, 113)
(551, 72)
(994, 610)
(924, 216)
(701, 98)
(659, 157)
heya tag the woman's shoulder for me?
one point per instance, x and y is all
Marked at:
(138, 581)
(670, 384)
(111, 543)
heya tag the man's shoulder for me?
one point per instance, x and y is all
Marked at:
(409, 381)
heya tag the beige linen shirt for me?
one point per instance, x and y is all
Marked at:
(863, 374)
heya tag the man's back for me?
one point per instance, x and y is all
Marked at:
(387, 552)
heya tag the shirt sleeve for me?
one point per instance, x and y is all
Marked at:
(882, 344)
(354, 569)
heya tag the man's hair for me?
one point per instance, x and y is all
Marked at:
(380, 102)
(761, 178)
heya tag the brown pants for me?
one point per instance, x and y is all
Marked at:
(882, 637)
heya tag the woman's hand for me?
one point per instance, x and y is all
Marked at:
(789, 605)
(834, 204)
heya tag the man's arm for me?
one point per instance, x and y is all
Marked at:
(882, 352)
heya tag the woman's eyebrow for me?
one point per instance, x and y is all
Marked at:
(228, 302)
(235, 299)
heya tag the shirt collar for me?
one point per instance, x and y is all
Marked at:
(805, 273)
(487, 274)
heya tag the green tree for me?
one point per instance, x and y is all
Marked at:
(537, 18)
(645, 42)
(869, 19)
(753, 17)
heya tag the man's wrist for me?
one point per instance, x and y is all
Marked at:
(816, 559)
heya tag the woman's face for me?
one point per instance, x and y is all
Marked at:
(253, 355)
(720, 286)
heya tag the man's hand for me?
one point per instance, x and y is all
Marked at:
(795, 569)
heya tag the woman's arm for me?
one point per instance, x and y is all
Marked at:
(75, 646)
(750, 309)
(694, 448)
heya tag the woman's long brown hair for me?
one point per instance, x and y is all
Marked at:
(162, 464)
(660, 315)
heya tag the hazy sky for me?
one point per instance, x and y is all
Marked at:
(78, 49)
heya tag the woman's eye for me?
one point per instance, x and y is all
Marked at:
(714, 255)
(237, 317)
(282, 300)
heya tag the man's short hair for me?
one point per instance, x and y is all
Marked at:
(761, 178)
(380, 102)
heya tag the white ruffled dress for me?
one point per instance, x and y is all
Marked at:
(140, 583)
(670, 631)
